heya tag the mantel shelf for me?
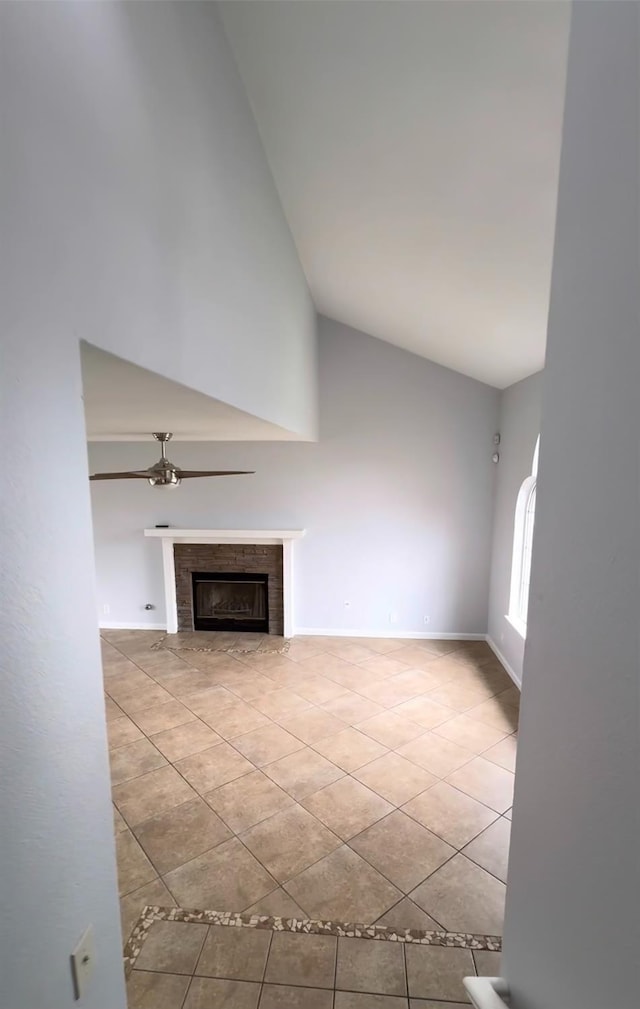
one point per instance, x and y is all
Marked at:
(228, 535)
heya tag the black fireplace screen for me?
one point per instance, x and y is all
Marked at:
(224, 601)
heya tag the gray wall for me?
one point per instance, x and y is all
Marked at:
(574, 865)
(138, 214)
(519, 429)
(396, 498)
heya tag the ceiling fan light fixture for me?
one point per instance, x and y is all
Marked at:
(164, 473)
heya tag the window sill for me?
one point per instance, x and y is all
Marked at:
(518, 625)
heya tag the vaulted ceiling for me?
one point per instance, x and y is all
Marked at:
(416, 147)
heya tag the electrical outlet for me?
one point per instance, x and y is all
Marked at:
(427, 620)
(106, 609)
(82, 961)
(393, 617)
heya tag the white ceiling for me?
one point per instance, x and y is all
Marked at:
(123, 402)
(416, 147)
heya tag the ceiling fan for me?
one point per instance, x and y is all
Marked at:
(165, 473)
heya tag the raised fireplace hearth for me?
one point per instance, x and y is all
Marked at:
(230, 601)
(227, 551)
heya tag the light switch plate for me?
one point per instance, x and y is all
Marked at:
(82, 961)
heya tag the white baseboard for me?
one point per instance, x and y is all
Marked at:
(127, 625)
(327, 632)
(511, 671)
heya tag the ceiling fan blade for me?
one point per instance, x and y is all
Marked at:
(141, 475)
(187, 473)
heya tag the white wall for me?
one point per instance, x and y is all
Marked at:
(137, 214)
(519, 429)
(572, 929)
(396, 498)
(151, 207)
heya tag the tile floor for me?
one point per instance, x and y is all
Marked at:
(355, 780)
(198, 966)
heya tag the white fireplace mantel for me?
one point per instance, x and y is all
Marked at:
(169, 536)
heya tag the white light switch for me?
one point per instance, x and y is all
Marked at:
(82, 960)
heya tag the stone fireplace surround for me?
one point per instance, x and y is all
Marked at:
(227, 549)
(249, 558)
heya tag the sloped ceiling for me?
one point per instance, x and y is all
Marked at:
(416, 149)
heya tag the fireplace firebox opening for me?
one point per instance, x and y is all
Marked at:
(230, 601)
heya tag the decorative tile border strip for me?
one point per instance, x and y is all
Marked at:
(151, 913)
(164, 644)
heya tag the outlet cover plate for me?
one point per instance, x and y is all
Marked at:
(82, 961)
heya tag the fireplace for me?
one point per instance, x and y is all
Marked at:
(230, 601)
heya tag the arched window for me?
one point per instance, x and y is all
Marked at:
(522, 546)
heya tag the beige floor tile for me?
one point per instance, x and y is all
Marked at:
(391, 691)
(384, 665)
(358, 1000)
(176, 836)
(278, 903)
(119, 823)
(368, 966)
(211, 768)
(226, 878)
(120, 685)
(350, 651)
(487, 963)
(503, 753)
(402, 850)
(510, 696)
(134, 868)
(121, 731)
(150, 990)
(318, 689)
(508, 814)
(250, 684)
(437, 972)
(146, 697)
(487, 679)
(496, 713)
(326, 665)
(302, 959)
(425, 711)
(469, 733)
(134, 759)
(132, 904)
(485, 782)
(186, 681)
(281, 703)
(239, 954)
(435, 754)
(343, 887)
(349, 749)
(303, 772)
(445, 668)
(208, 992)
(416, 657)
(209, 700)
(463, 897)
(439, 646)
(405, 914)
(185, 740)
(394, 778)
(278, 996)
(450, 814)
(111, 709)
(347, 807)
(248, 800)
(390, 729)
(151, 793)
(289, 842)
(266, 744)
(172, 946)
(314, 724)
(459, 696)
(351, 707)
(490, 849)
(236, 720)
(301, 649)
(163, 716)
(383, 646)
